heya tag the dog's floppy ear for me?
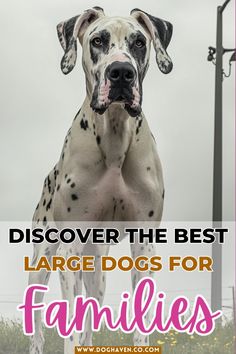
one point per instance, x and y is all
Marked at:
(161, 33)
(68, 31)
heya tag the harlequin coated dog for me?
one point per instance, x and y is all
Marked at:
(109, 169)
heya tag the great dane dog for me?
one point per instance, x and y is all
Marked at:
(109, 169)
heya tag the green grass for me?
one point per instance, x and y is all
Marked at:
(221, 341)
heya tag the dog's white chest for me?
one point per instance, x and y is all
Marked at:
(108, 195)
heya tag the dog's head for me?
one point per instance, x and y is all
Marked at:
(115, 54)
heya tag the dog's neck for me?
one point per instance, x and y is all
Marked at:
(113, 131)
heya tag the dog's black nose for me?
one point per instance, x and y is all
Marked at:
(121, 72)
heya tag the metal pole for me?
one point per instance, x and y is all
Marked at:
(216, 281)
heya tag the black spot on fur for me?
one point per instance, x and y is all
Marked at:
(84, 124)
(49, 184)
(69, 209)
(74, 196)
(72, 185)
(150, 214)
(55, 173)
(44, 221)
(49, 204)
(98, 139)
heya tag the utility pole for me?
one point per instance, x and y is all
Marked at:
(219, 51)
(216, 277)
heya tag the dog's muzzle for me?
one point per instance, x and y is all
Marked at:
(120, 86)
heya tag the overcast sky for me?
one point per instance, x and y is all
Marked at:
(38, 104)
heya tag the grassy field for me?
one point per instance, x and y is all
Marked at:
(221, 341)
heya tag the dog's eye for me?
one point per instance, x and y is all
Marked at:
(139, 43)
(97, 42)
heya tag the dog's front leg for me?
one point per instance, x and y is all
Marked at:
(95, 284)
(71, 286)
(41, 277)
(137, 250)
